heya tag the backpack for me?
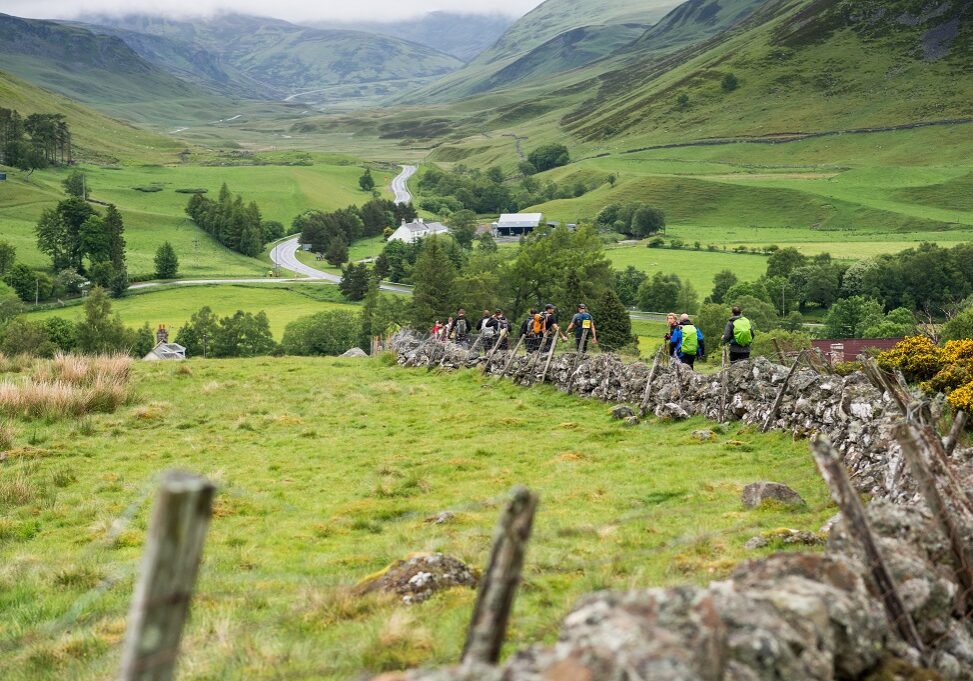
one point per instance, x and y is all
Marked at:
(460, 327)
(742, 332)
(690, 341)
(537, 325)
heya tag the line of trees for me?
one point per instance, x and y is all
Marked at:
(446, 192)
(331, 233)
(35, 141)
(237, 226)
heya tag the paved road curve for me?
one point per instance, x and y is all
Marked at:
(284, 254)
(400, 186)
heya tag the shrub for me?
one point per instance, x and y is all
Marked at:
(191, 190)
(917, 357)
(325, 333)
(149, 188)
(789, 341)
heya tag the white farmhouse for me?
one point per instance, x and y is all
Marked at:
(515, 224)
(410, 232)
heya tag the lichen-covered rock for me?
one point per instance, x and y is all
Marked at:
(355, 352)
(622, 411)
(757, 493)
(418, 578)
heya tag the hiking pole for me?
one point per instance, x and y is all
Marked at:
(550, 356)
(724, 379)
(513, 355)
(582, 346)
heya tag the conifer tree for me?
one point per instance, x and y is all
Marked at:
(612, 321)
(433, 279)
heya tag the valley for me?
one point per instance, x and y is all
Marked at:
(326, 179)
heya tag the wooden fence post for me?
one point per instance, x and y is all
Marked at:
(170, 562)
(513, 356)
(922, 463)
(836, 477)
(550, 357)
(495, 597)
(780, 394)
(500, 336)
(959, 423)
(725, 383)
(647, 394)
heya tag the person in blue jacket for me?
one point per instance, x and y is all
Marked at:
(688, 341)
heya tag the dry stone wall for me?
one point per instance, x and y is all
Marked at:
(790, 616)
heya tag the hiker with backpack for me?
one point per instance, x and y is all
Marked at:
(459, 331)
(672, 323)
(500, 328)
(581, 322)
(532, 329)
(550, 329)
(484, 328)
(688, 341)
(739, 334)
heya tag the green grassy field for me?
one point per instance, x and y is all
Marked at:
(281, 192)
(328, 470)
(697, 267)
(172, 307)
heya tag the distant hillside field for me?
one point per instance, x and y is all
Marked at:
(281, 192)
(329, 470)
(172, 307)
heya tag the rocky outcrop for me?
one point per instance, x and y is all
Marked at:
(419, 577)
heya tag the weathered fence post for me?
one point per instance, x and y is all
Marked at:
(170, 561)
(959, 423)
(495, 597)
(923, 466)
(500, 338)
(725, 383)
(550, 356)
(853, 512)
(780, 394)
(513, 356)
(647, 394)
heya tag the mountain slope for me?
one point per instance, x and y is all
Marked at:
(557, 36)
(297, 61)
(187, 61)
(94, 136)
(462, 35)
(801, 65)
(99, 70)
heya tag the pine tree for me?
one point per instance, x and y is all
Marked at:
(612, 322)
(166, 262)
(337, 252)
(433, 279)
(366, 181)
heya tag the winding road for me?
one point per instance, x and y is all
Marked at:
(284, 254)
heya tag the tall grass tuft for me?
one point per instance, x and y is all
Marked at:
(7, 435)
(69, 386)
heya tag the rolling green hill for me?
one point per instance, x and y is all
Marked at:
(187, 61)
(101, 71)
(305, 64)
(557, 36)
(95, 136)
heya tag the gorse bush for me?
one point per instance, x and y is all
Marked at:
(947, 369)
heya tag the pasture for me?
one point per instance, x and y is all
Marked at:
(328, 470)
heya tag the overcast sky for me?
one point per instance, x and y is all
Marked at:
(293, 10)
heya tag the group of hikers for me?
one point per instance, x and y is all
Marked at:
(684, 342)
(539, 330)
